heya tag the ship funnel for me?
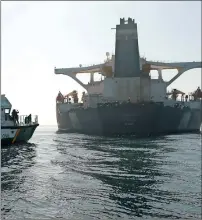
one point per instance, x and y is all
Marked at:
(127, 61)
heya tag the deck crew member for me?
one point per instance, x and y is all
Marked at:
(17, 117)
(174, 94)
(186, 98)
(14, 116)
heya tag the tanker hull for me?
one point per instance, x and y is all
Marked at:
(142, 119)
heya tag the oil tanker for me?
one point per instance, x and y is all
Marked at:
(126, 99)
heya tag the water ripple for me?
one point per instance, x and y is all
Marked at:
(71, 176)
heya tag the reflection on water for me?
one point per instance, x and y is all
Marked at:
(70, 176)
(14, 160)
(131, 168)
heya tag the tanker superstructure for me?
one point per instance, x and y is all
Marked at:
(128, 100)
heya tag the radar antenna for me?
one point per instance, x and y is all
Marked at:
(107, 54)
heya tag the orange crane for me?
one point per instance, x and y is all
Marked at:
(74, 95)
(175, 93)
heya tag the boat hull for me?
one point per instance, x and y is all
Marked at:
(17, 134)
(142, 119)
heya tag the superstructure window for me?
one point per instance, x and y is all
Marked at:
(7, 111)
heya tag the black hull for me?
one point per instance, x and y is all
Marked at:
(25, 133)
(144, 119)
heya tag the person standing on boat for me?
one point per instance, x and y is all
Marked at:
(14, 116)
(186, 98)
(60, 98)
(29, 119)
(17, 117)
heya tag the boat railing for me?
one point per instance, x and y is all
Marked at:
(87, 65)
(28, 120)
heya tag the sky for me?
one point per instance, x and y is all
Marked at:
(38, 36)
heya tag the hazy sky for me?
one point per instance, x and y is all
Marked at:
(37, 36)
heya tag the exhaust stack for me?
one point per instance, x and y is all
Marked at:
(127, 61)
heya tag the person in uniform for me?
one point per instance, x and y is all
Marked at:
(186, 98)
(17, 117)
(14, 116)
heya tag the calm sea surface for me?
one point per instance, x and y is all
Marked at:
(71, 176)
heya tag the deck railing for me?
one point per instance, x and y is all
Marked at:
(24, 120)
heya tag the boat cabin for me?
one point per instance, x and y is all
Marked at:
(7, 119)
(5, 111)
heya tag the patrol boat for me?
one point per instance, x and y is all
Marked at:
(13, 131)
(127, 100)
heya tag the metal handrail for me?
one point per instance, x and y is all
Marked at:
(23, 122)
